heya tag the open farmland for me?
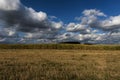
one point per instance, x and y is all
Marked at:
(59, 64)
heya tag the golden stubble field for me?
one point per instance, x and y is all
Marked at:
(52, 64)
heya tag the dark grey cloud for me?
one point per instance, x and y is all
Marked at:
(23, 18)
(15, 16)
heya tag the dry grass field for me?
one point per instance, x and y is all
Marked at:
(53, 64)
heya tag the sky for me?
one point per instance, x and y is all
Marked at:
(54, 21)
(67, 10)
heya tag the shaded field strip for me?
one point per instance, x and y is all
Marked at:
(60, 46)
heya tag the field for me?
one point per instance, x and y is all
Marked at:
(60, 64)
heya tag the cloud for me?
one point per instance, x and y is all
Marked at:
(111, 23)
(73, 27)
(15, 18)
(87, 21)
(91, 28)
(57, 25)
(2, 39)
(93, 12)
(24, 19)
(91, 18)
(22, 24)
(9, 4)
